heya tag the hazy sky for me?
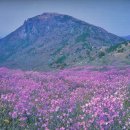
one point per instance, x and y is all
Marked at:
(112, 15)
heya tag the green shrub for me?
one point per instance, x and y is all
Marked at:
(101, 54)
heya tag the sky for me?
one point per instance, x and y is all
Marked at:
(112, 15)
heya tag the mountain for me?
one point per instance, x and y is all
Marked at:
(51, 41)
(127, 37)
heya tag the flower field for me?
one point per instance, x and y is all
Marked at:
(81, 98)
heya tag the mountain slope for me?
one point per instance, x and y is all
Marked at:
(117, 55)
(52, 40)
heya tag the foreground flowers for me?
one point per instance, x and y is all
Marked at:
(72, 99)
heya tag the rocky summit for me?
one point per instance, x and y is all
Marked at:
(50, 41)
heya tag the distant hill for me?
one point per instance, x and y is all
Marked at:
(127, 37)
(51, 41)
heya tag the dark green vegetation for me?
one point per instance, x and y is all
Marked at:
(51, 41)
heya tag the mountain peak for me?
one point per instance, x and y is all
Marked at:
(47, 15)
